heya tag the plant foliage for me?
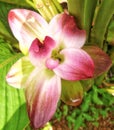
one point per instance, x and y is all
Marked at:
(12, 101)
(97, 102)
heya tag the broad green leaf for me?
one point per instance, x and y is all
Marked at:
(4, 27)
(83, 10)
(12, 101)
(103, 17)
(110, 35)
(72, 93)
(3, 30)
(17, 2)
(5, 6)
(48, 8)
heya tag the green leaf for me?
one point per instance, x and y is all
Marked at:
(83, 10)
(110, 35)
(5, 6)
(87, 117)
(103, 112)
(70, 119)
(103, 17)
(17, 2)
(12, 101)
(86, 103)
(65, 110)
(72, 92)
(4, 27)
(95, 98)
(78, 122)
(94, 112)
(4, 32)
(48, 9)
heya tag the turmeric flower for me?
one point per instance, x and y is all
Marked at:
(52, 52)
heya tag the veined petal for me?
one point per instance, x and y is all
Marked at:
(38, 51)
(43, 91)
(19, 73)
(64, 30)
(77, 65)
(101, 60)
(26, 25)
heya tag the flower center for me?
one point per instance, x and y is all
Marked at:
(55, 60)
(57, 55)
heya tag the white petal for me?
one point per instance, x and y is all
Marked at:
(26, 25)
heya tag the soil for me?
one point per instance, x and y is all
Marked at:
(104, 124)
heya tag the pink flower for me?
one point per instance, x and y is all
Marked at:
(53, 52)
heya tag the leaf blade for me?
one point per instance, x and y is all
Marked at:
(12, 101)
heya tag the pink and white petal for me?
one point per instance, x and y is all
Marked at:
(43, 90)
(26, 25)
(38, 51)
(19, 73)
(77, 65)
(51, 63)
(64, 30)
(55, 30)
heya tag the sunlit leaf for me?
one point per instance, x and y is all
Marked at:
(12, 101)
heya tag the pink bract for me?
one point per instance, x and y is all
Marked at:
(53, 52)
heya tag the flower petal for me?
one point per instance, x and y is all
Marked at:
(77, 65)
(43, 91)
(38, 51)
(26, 25)
(72, 92)
(64, 30)
(19, 73)
(101, 60)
